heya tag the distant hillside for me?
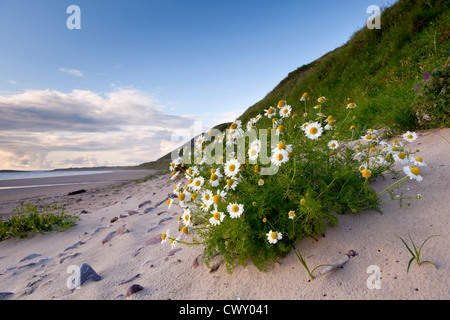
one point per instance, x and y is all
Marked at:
(381, 70)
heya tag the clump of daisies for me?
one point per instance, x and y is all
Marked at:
(256, 188)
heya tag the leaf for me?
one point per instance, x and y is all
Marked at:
(407, 247)
(409, 264)
(420, 249)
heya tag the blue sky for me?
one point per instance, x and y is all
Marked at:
(160, 64)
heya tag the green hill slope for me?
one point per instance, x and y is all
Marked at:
(396, 75)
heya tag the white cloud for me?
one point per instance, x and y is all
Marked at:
(72, 72)
(12, 82)
(42, 129)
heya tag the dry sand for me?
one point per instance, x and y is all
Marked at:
(171, 275)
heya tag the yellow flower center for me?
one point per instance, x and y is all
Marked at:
(368, 137)
(281, 103)
(216, 216)
(279, 157)
(253, 152)
(366, 173)
(305, 95)
(197, 183)
(285, 111)
(233, 126)
(214, 177)
(235, 208)
(168, 201)
(313, 130)
(257, 168)
(186, 217)
(321, 99)
(270, 111)
(217, 198)
(331, 123)
(373, 149)
(418, 159)
(232, 167)
(291, 213)
(409, 136)
(185, 230)
(281, 129)
(274, 235)
(207, 196)
(415, 171)
(351, 105)
(229, 182)
(394, 149)
(302, 202)
(213, 171)
(281, 146)
(190, 172)
(194, 196)
(181, 196)
(264, 220)
(164, 236)
(401, 155)
(333, 145)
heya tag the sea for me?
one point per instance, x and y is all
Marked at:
(45, 174)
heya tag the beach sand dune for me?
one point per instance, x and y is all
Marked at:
(128, 251)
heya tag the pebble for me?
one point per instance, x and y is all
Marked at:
(4, 295)
(129, 280)
(148, 210)
(154, 240)
(79, 243)
(144, 203)
(114, 219)
(30, 256)
(87, 273)
(133, 289)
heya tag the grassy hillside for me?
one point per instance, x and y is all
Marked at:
(383, 71)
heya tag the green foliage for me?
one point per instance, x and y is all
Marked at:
(319, 178)
(435, 97)
(416, 253)
(30, 218)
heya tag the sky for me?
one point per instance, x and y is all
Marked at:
(139, 76)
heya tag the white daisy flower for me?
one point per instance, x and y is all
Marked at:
(413, 173)
(410, 136)
(177, 188)
(322, 99)
(198, 183)
(304, 96)
(169, 203)
(184, 197)
(269, 113)
(291, 214)
(192, 171)
(362, 168)
(281, 103)
(378, 160)
(333, 144)
(207, 196)
(314, 130)
(215, 178)
(186, 217)
(351, 105)
(165, 236)
(401, 157)
(175, 174)
(279, 157)
(219, 196)
(235, 210)
(285, 111)
(174, 241)
(217, 217)
(253, 153)
(206, 205)
(418, 161)
(367, 137)
(231, 184)
(231, 167)
(175, 163)
(256, 144)
(305, 125)
(282, 146)
(260, 182)
(274, 236)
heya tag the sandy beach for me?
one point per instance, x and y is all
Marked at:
(119, 237)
